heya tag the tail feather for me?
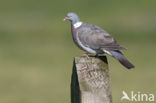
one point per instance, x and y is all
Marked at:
(120, 57)
(125, 62)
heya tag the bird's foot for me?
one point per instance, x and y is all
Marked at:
(85, 55)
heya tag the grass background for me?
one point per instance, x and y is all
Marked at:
(36, 47)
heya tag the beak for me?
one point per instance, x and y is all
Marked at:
(65, 19)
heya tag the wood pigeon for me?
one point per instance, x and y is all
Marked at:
(95, 40)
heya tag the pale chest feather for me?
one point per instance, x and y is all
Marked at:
(78, 24)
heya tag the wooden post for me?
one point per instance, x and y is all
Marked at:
(90, 80)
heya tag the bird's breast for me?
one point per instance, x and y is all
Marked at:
(75, 36)
(79, 43)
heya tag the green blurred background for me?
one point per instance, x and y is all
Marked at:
(37, 51)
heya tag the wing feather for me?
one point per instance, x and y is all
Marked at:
(96, 38)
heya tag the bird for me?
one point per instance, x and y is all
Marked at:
(95, 40)
(125, 96)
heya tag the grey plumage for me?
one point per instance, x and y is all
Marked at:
(120, 57)
(95, 40)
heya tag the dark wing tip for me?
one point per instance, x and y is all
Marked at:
(122, 48)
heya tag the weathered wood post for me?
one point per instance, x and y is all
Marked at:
(90, 80)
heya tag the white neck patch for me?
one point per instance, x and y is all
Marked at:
(78, 24)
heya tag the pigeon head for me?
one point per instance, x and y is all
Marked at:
(73, 17)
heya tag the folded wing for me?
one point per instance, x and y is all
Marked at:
(96, 38)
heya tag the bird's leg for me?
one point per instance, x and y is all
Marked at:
(85, 55)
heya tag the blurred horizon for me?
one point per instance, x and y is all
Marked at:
(37, 50)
